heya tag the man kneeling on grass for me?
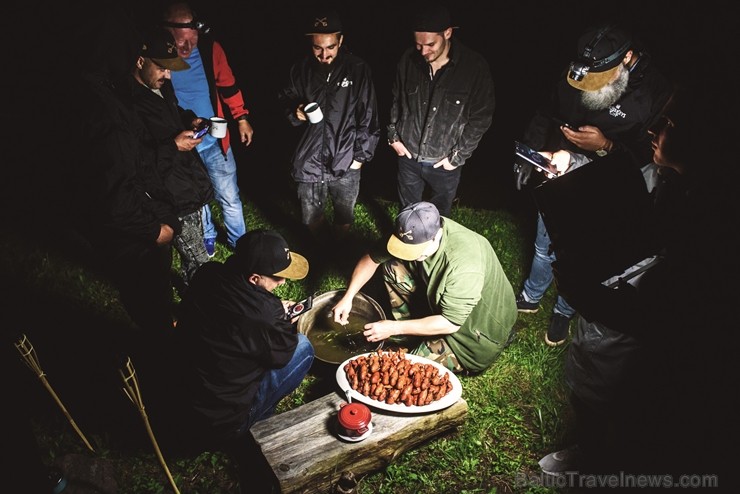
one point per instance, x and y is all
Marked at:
(447, 289)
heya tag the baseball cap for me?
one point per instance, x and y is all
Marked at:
(159, 45)
(600, 53)
(266, 252)
(431, 18)
(416, 226)
(326, 22)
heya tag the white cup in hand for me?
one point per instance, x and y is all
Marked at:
(313, 112)
(218, 127)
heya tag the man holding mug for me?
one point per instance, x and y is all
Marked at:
(207, 88)
(340, 134)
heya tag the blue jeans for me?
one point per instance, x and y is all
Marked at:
(279, 383)
(222, 171)
(540, 275)
(413, 176)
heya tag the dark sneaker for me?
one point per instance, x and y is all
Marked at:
(523, 306)
(560, 462)
(210, 244)
(558, 330)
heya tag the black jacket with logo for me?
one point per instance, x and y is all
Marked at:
(349, 130)
(625, 123)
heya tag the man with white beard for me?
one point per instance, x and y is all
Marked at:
(604, 102)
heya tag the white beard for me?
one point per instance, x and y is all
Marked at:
(608, 95)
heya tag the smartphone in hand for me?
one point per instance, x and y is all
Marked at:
(565, 124)
(529, 155)
(201, 132)
(299, 308)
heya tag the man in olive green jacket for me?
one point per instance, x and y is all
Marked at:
(446, 287)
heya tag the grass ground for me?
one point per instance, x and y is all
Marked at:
(517, 409)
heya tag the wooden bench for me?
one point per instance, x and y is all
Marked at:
(305, 454)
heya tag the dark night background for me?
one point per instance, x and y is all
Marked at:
(526, 43)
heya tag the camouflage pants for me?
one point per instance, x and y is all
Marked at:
(439, 351)
(189, 245)
(401, 284)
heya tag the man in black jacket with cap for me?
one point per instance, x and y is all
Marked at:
(603, 104)
(129, 228)
(242, 353)
(331, 152)
(178, 176)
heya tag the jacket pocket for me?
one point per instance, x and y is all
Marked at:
(454, 103)
(482, 336)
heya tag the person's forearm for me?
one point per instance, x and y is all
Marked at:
(426, 326)
(362, 273)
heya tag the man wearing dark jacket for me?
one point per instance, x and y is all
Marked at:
(331, 152)
(443, 103)
(179, 176)
(608, 98)
(242, 353)
(130, 230)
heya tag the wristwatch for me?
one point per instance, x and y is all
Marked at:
(604, 150)
(242, 117)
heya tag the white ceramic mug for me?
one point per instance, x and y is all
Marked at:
(218, 127)
(313, 112)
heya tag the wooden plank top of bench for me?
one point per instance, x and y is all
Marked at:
(304, 452)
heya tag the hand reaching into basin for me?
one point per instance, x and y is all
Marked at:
(342, 310)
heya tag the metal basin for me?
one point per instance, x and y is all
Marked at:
(332, 342)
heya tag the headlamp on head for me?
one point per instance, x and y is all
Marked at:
(194, 24)
(578, 70)
(586, 62)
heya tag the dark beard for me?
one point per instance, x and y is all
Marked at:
(323, 69)
(607, 95)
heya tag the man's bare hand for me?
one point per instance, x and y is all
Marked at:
(400, 149)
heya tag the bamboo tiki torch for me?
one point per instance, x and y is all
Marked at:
(131, 388)
(31, 359)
